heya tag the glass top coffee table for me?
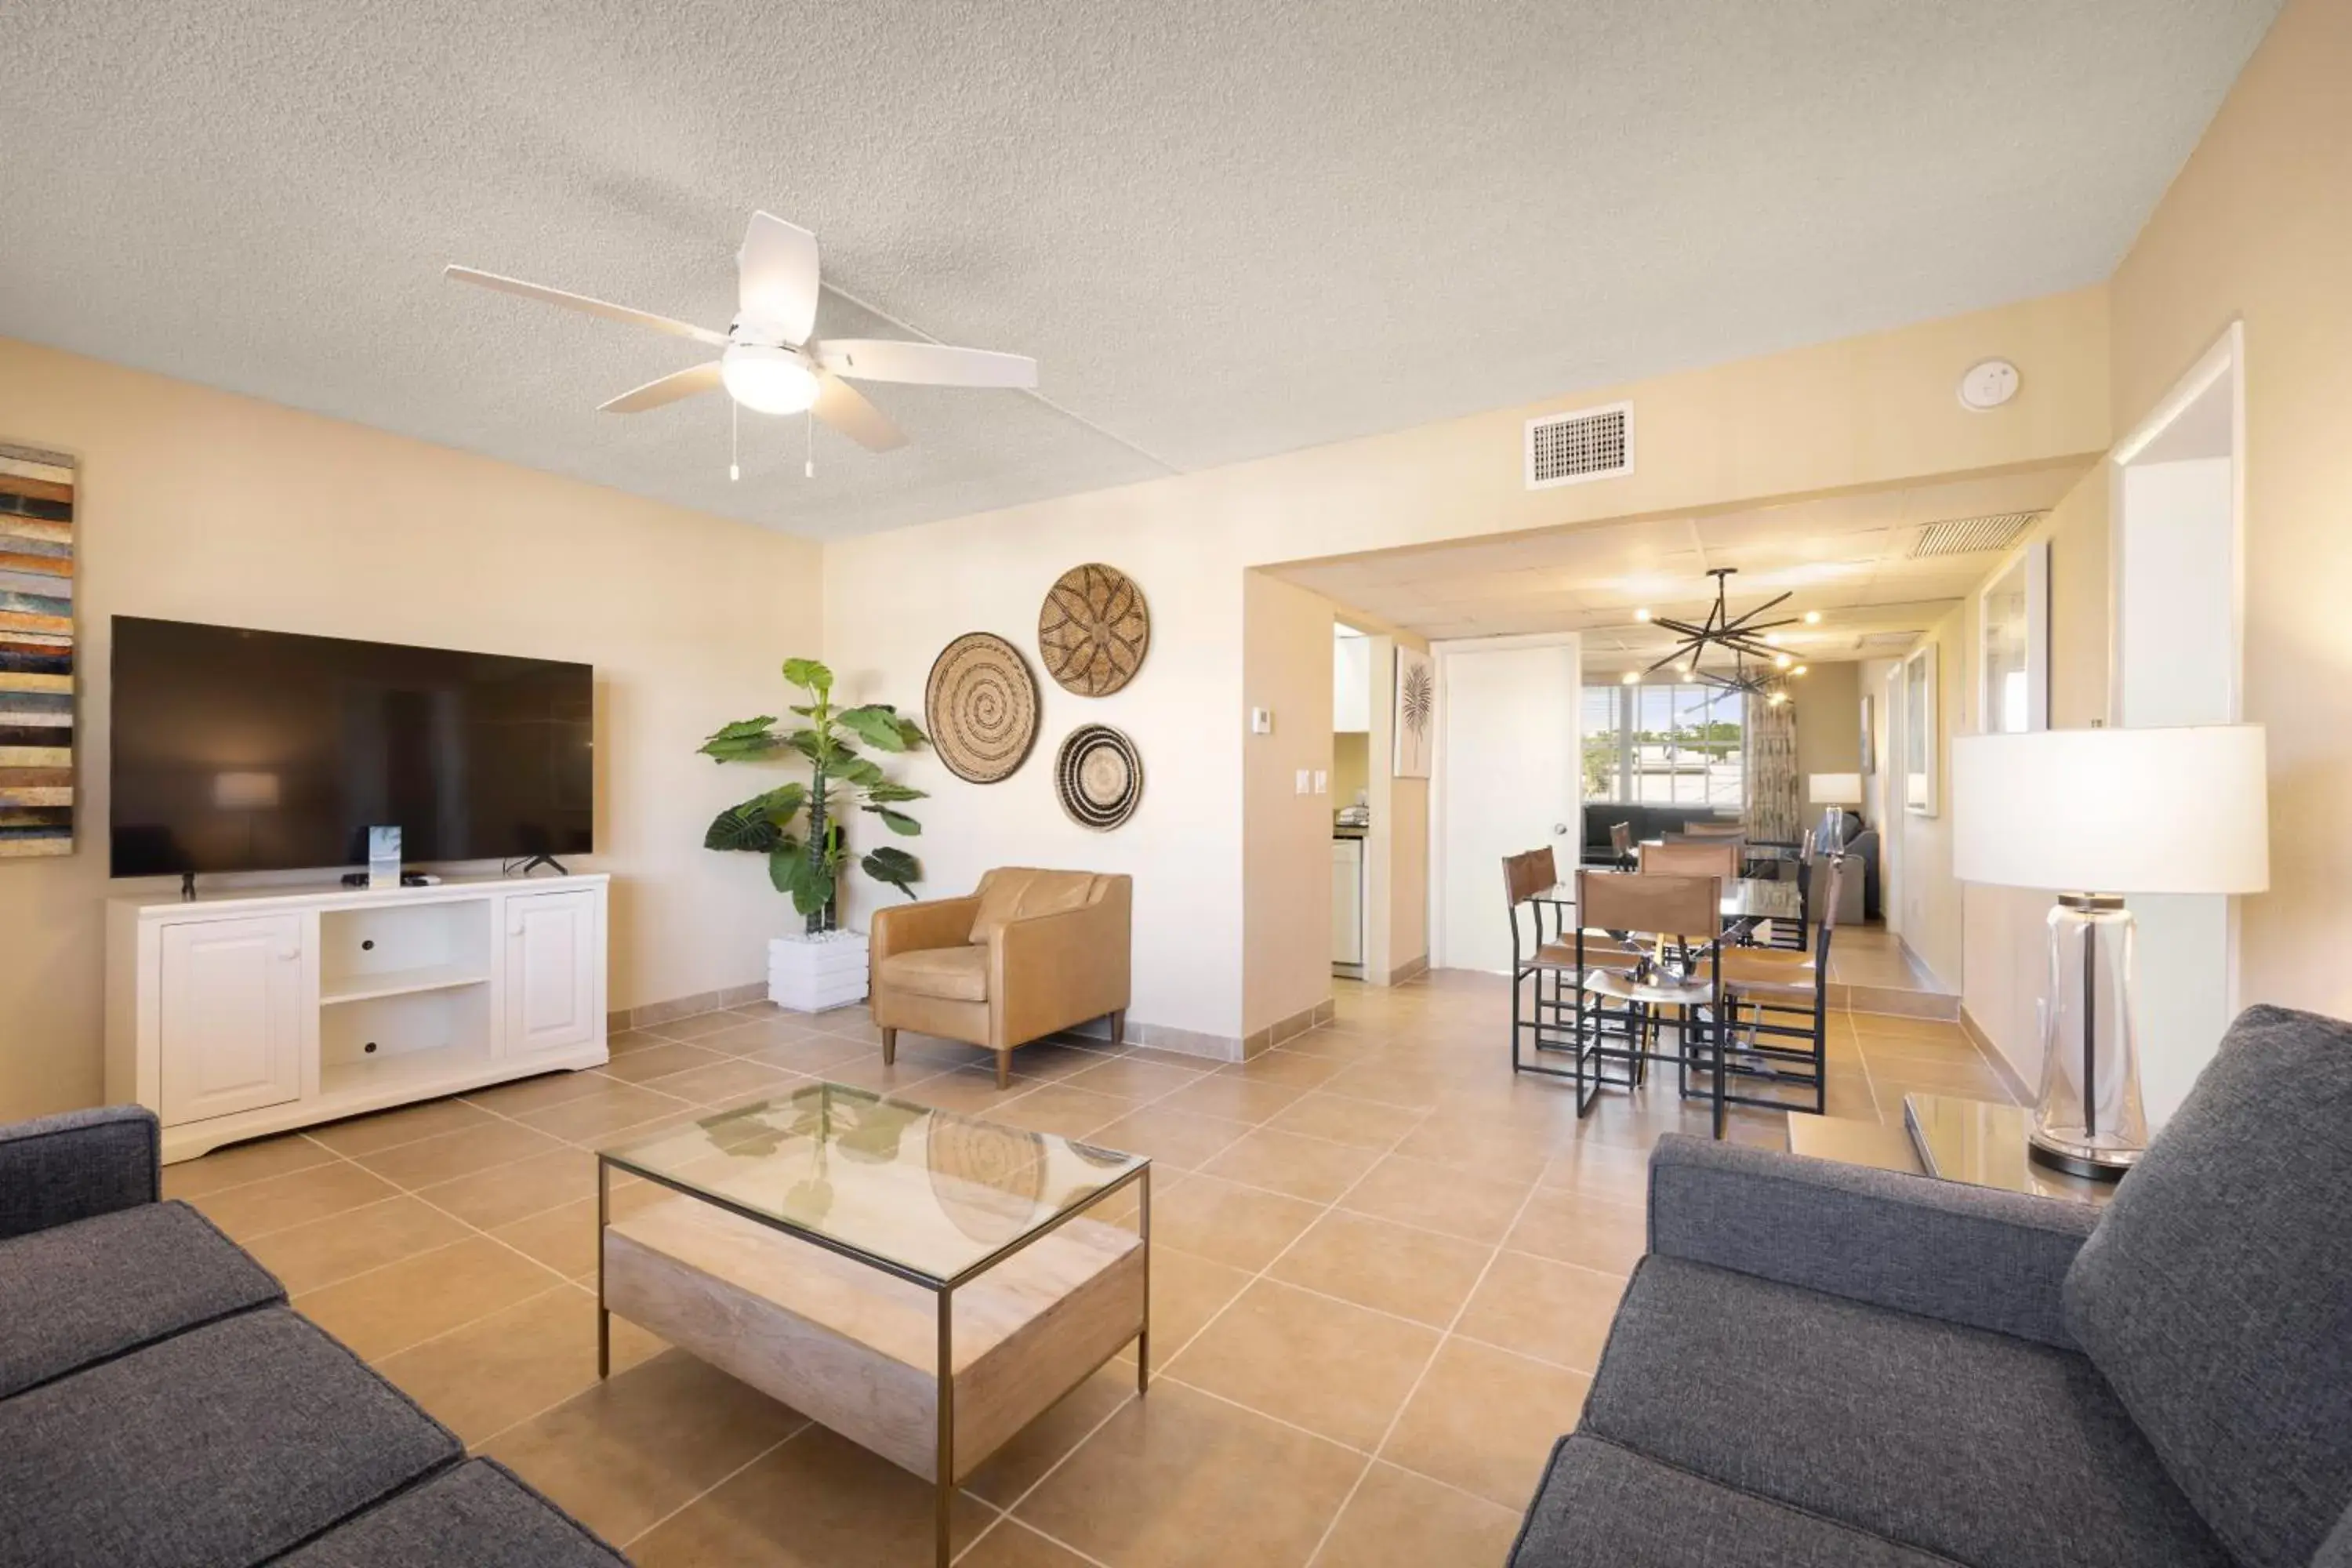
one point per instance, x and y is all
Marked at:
(922, 1282)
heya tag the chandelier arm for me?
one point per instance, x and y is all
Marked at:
(1762, 607)
(1662, 663)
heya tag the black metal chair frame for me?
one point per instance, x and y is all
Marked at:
(1813, 1055)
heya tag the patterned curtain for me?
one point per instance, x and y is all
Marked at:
(1775, 808)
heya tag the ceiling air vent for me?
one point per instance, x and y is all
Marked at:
(1590, 444)
(1972, 535)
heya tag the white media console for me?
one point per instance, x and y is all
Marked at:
(240, 1013)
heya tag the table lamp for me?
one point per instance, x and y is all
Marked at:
(1837, 792)
(2094, 814)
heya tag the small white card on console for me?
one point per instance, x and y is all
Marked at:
(383, 857)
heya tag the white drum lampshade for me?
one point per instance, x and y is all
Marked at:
(1835, 794)
(2093, 815)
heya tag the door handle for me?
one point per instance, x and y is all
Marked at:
(1559, 827)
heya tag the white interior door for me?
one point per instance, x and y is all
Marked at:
(1507, 781)
(2177, 661)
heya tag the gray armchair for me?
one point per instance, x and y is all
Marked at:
(1822, 1365)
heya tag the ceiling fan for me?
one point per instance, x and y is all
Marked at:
(767, 361)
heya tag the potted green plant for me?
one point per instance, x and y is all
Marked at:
(798, 827)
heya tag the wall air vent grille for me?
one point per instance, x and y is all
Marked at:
(1972, 535)
(1590, 444)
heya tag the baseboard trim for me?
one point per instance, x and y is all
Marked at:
(1896, 1002)
(653, 1014)
(2002, 1066)
(1410, 970)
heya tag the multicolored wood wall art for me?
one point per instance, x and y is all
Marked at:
(36, 652)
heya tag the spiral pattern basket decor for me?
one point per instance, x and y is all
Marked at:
(1093, 629)
(981, 707)
(1099, 777)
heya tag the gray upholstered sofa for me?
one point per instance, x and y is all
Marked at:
(1821, 1365)
(161, 1404)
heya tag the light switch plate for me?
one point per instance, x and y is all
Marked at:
(1322, 782)
(1304, 776)
(1261, 720)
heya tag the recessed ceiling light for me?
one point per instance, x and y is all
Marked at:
(1631, 678)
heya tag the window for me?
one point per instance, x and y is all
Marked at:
(1664, 745)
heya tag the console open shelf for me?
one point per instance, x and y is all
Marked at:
(339, 989)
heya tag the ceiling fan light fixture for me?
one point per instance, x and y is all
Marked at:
(767, 380)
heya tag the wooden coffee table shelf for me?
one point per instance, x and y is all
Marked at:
(857, 1350)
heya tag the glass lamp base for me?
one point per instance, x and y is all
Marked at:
(2065, 1149)
(2088, 1121)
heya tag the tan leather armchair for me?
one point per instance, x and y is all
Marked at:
(1028, 953)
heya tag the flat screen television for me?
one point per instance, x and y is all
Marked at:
(250, 751)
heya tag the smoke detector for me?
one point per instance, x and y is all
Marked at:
(1988, 384)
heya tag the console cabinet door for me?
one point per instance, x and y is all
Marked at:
(230, 1019)
(550, 979)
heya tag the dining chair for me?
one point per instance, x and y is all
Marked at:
(1537, 957)
(1788, 995)
(1680, 913)
(1621, 844)
(1688, 857)
(1714, 829)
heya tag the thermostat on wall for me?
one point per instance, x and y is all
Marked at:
(1988, 384)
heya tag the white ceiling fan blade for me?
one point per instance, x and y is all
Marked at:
(843, 409)
(924, 364)
(669, 388)
(609, 311)
(776, 273)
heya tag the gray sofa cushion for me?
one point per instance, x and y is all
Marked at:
(221, 1446)
(75, 1294)
(478, 1513)
(1986, 1448)
(1600, 1506)
(2217, 1294)
(58, 1169)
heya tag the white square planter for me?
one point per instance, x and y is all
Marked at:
(813, 973)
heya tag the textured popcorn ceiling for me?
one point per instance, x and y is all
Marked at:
(1226, 228)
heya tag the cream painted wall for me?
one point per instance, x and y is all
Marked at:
(1829, 728)
(1932, 913)
(1866, 411)
(2005, 940)
(1285, 835)
(2257, 226)
(201, 506)
(1351, 768)
(1397, 850)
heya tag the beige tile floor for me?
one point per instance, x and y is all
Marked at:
(1382, 1272)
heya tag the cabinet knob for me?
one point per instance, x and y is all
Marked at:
(289, 953)
(514, 926)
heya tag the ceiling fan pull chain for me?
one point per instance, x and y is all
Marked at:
(734, 440)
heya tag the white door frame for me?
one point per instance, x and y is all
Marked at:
(1438, 761)
(2225, 357)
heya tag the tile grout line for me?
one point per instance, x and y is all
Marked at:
(1389, 1433)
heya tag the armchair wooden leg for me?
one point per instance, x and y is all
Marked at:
(889, 1046)
(1118, 1028)
(1005, 1069)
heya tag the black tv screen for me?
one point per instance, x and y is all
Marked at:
(248, 750)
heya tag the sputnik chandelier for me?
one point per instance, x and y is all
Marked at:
(1745, 637)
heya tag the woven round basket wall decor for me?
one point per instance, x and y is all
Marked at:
(1093, 629)
(981, 707)
(1099, 776)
